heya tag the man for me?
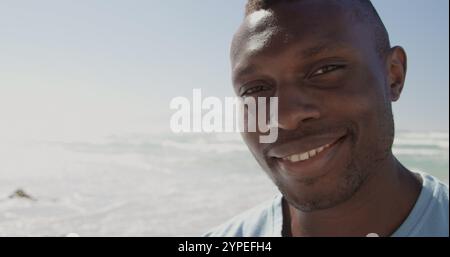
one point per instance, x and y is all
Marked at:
(335, 74)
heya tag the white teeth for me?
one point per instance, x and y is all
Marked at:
(306, 155)
(295, 158)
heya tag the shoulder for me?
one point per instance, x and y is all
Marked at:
(431, 208)
(436, 189)
(262, 220)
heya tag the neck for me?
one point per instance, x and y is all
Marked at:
(380, 206)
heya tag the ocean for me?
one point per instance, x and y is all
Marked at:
(151, 184)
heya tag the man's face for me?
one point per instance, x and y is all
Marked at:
(334, 115)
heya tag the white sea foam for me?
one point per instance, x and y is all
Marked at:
(137, 184)
(418, 152)
(441, 143)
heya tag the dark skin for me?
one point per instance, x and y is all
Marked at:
(334, 88)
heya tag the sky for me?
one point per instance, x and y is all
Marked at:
(91, 68)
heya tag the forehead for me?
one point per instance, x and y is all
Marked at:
(303, 26)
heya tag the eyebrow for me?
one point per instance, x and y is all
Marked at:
(323, 47)
(242, 72)
(307, 53)
(316, 50)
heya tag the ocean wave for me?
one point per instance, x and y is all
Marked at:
(419, 152)
(205, 147)
(428, 135)
(440, 143)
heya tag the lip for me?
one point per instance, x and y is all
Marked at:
(303, 145)
(315, 166)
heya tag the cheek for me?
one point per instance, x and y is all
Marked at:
(256, 114)
(250, 134)
(364, 106)
(251, 139)
(360, 99)
(359, 108)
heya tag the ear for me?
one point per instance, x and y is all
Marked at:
(396, 68)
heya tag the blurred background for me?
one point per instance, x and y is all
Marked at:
(85, 86)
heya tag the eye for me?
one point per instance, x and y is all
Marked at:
(246, 91)
(326, 69)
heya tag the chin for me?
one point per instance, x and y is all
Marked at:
(322, 193)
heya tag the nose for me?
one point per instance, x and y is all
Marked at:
(295, 108)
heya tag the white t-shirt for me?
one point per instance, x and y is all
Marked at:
(429, 216)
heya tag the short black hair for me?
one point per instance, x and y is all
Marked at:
(364, 11)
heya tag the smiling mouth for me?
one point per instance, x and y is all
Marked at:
(304, 156)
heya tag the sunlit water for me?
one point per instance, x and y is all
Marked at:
(147, 185)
